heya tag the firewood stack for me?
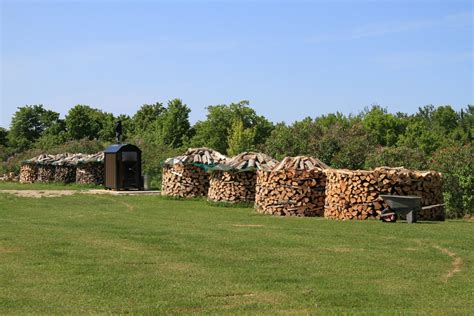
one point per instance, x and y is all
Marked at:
(237, 180)
(64, 172)
(62, 168)
(90, 170)
(431, 192)
(294, 187)
(28, 172)
(186, 176)
(90, 173)
(45, 173)
(10, 176)
(65, 167)
(354, 194)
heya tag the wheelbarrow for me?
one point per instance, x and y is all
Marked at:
(408, 205)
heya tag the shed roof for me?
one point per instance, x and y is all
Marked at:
(115, 148)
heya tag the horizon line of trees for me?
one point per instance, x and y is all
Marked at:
(437, 138)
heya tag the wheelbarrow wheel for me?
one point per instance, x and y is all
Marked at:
(390, 218)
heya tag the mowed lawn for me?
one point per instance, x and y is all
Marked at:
(89, 254)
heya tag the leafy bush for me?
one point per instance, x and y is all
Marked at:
(396, 157)
(153, 156)
(457, 165)
(353, 144)
(84, 146)
(13, 163)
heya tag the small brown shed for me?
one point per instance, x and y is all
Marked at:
(123, 167)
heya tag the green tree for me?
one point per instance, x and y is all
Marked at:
(173, 123)
(3, 137)
(214, 131)
(107, 126)
(354, 144)
(128, 127)
(432, 128)
(419, 134)
(326, 122)
(82, 121)
(412, 158)
(240, 138)
(462, 134)
(301, 138)
(28, 124)
(457, 165)
(146, 116)
(384, 128)
(280, 142)
(55, 135)
(445, 119)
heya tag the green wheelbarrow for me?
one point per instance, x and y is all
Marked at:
(408, 206)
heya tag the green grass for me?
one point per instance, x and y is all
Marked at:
(148, 255)
(46, 186)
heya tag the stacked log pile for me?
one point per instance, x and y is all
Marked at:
(90, 169)
(62, 168)
(45, 173)
(355, 194)
(186, 176)
(65, 167)
(237, 182)
(64, 173)
(251, 161)
(181, 180)
(431, 192)
(10, 176)
(198, 156)
(294, 187)
(28, 172)
(90, 173)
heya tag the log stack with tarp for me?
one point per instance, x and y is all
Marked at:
(355, 194)
(90, 169)
(294, 187)
(186, 175)
(45, 168)
(235, 181)
(63, 167)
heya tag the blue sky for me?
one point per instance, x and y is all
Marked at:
(290, 59)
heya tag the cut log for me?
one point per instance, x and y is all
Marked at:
(362, 188)
(295, 187)
(184, 180)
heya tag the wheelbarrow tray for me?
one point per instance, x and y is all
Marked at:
(407, 205)
(402, 204)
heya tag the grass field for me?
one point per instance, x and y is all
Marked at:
(84, 254)
(46, 186)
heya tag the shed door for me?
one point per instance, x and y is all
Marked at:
(110, 171)
(131, 173)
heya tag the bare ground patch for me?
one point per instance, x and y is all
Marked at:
(456, 264)
(129, 207)
(5, 249)
(343, 249)
(39, 193)
(120, 245)
(234, 300)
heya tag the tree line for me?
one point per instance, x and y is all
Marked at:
(438, 138)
